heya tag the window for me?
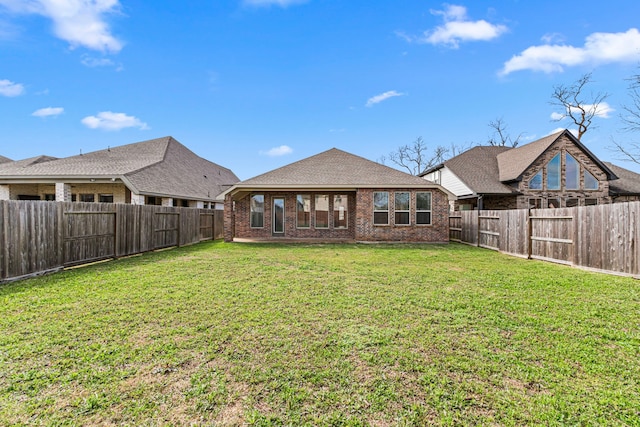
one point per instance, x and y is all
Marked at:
(590, 182)
(553, 203)
(257, 211)
(380, 208)
(402, 208)
(572, 173)
(535, 183)
(105, 198)
(340, 211)
(423, 208)
(50, 197)
(553, 173)
(303, 211)
(571, 202)
(87, 198)
(535, 203)
(590, 202)
(322, 211)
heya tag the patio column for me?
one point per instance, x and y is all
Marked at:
(137, 199)
(63, 192)
(167, 201)
(5, 194)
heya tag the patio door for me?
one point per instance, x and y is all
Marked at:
(278, 216)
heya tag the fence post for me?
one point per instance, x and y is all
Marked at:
(478, 231)
(3, 240)
(529, 233)
(179, 224)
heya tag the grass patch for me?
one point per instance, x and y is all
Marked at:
(354, 335)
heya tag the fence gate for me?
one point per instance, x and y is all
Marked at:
(88, 236)
(552, 238)
(489, 231)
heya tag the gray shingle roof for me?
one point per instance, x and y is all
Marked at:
(4, 159)
(487, 169)
(512, 163)
(161, 167)
(110, 162)
(478, 169)
(335, 167)
(628, 182)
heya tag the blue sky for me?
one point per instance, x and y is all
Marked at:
(256, 84)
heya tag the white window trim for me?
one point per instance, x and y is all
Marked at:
(251, 212)
(425, 210)
(346, 211)
(297, 222)
(380, 210)
(397, 211)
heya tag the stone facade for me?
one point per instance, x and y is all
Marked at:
(525, 198)
(563, 146)
(359, 218)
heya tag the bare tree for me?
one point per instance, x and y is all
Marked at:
(412, 157)
(581, 111)
(416, 157)
(631, 119)
(500, 135)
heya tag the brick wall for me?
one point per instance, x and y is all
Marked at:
(359, 217)
(437, 232)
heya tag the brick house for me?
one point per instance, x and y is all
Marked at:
(336, 195)
(160, 171)
(554, 171)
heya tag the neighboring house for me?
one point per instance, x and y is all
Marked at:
(335, 195)
(159, 171)
(555, 171)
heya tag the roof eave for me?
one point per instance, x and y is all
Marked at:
(334, 187)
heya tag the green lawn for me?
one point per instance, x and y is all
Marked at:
(262, 334)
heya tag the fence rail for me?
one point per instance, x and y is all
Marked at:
(37, 236)
(602, 237)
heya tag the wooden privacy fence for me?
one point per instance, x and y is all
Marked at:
(36, 236)
(602, 237)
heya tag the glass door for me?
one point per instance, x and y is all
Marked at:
(278, 215)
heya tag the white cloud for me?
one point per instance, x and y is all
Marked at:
(79, 22)
(47, 112)
(458, 28)
(9, 88)
(383, 96)
(278, 151)
(281, 3)
(108, 120)
(599, 48)
(602, 110)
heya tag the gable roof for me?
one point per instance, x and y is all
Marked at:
(628, 182)
(160, 167)
(333, 168)
(514, 162)
(488, 169)
(4, 159)
(478, 169)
